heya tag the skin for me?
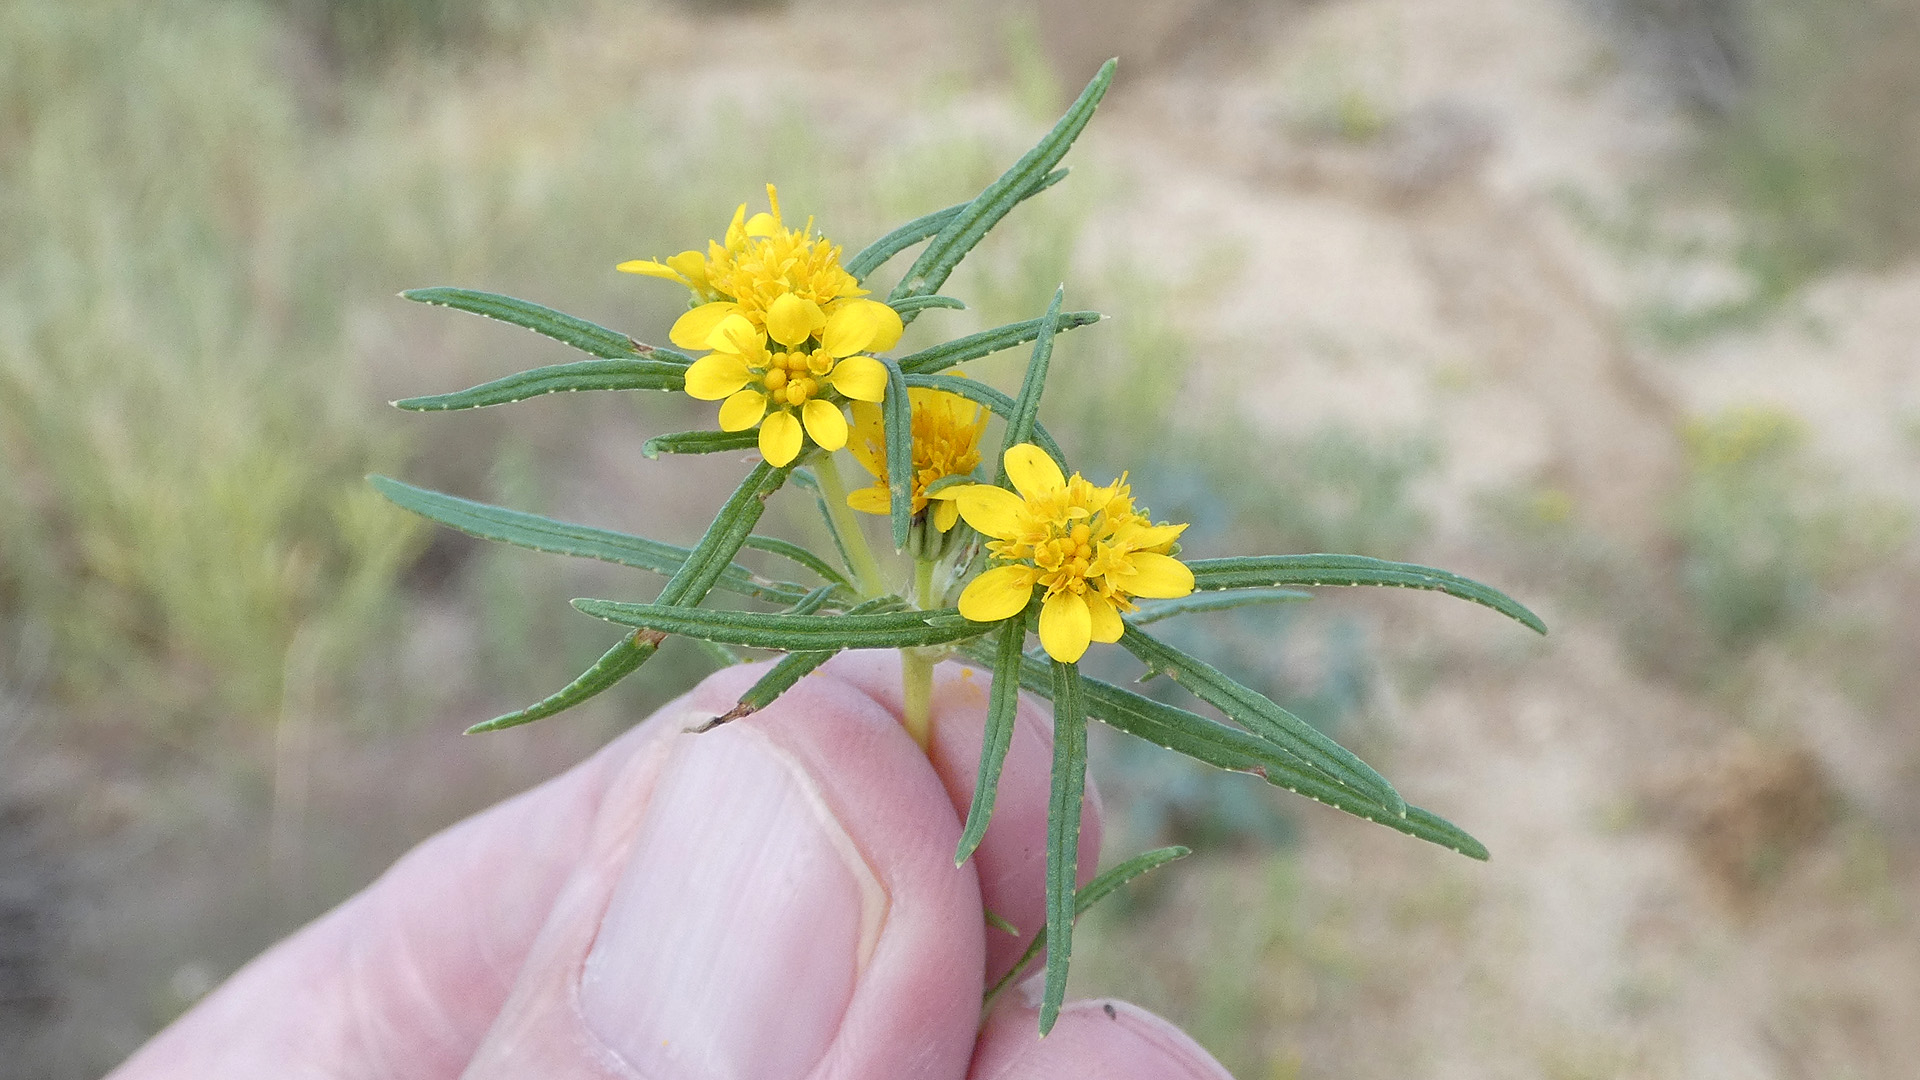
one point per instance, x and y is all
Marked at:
(773, 899)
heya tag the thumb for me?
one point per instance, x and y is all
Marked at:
(773, 899)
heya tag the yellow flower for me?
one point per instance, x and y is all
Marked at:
(813, 370)
(1086, 547)
(946, 442)
(761, 261)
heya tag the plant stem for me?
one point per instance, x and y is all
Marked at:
(866, 570)
(916, 668)
(916, 680)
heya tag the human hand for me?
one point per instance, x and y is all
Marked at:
(772, 899)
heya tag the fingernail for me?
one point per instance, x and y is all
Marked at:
(736, 933)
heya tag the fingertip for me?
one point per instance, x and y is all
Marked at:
(1094, 1039)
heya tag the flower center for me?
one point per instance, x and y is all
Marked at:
(793, 378)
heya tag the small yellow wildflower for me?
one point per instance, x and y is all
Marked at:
(946, 442)
(1085, 546)
(761, 261)
(765, 387)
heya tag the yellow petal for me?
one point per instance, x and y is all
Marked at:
(1158, 576)
(742, 410)
(825, 423)
(716, 375)
(1149, 537)
(992, 511)
(872, 499)
(1033, 473)
(792, 319)
(737, 229)
(779, 438)
(868, 443)
(861, 378)
(945, 513)
(649, 268)
(1066, 626)
(690, 331)
(861, 326)
(1107, 626)
(735, 333)
(1000, 593)
(762, 225)
(690, 265)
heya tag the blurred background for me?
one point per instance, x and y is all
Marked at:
(1610, 303)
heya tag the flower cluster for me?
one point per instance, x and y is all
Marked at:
(787, 329)
(1083, 548)
(946, 442)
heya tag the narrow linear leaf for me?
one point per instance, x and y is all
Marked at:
(896, 414)
(1097, 890)
(782, 676)
(1000, 404)
(721, 655)
(914, 305)
(618, 662)
(794, 633)
(560, 378)
(567, 329)
(539, 533)
(1262, 716)
(959, 235)
(1153, 611)
(874, 255)
(998, 735)
(787, 550)
(1026, 410)
(1063, 832)
(987, 342)
(813, 601)
(700, 442)
(710, 561)
(1223, 747)
(1262, 570)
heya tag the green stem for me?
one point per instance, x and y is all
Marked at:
(916, 668)
(866, 569)
(916, 679)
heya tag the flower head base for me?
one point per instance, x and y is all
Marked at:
(1084, 546)
(946, 442)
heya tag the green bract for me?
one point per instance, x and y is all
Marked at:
(840, 601)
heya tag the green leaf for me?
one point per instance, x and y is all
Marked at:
(987, 342)
(999, 403)
(997, 735)
(1026, 410)
(1152, 611)
(896, 412)
(1097, 890)
(567, 329)
(1261, 570)
(700, 442)
(539, 533)
(1223, 747)
(921, 228)
(579, 375)
(1063, 832)
(813, 601)
(787, 550)
(1260, 715)
(793, 633)
(959, 235)
(791, 669)
(622, 660)
(915, 304)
